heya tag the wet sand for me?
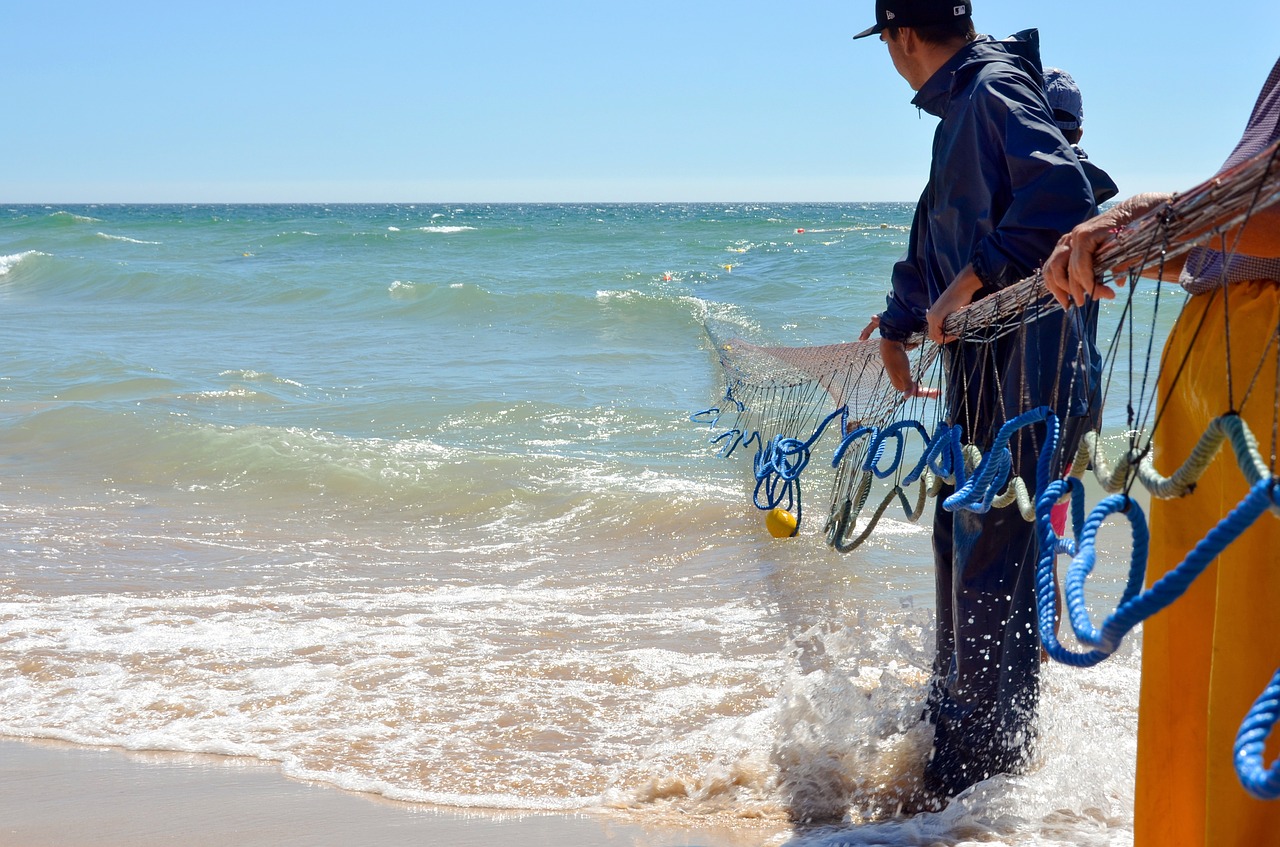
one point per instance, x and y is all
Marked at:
(62, 795)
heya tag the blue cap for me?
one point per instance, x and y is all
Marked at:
(916, 13)
(1064, 99)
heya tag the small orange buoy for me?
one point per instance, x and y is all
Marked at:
(780, 523)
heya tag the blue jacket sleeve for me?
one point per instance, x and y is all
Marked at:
(1048, 190)
(908, 300)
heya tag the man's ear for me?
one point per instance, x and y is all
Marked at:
(907, 41)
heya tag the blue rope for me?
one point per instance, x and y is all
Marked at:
(943, 455)
(849, 439)
(1136, 605)
(894, 431)
(992, 473)
(736, 435)
(778, 465)
(1082, 565)
(1048, 492)
(706, 416)
(1254, 775)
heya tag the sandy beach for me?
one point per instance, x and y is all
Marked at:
(61, 795)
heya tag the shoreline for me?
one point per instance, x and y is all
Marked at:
(57, 794)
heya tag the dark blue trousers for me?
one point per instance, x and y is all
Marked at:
(985, 686)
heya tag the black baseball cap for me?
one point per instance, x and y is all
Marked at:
(916, 13)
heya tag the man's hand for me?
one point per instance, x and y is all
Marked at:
(958, 295)
(1069, 271)
(869, 328)
(898, 366)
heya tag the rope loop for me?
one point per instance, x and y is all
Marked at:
(778, 464)
(895, 431)
(706, 416)
(993, 472)
(849, 440)
(736, 435)
(1256, 778)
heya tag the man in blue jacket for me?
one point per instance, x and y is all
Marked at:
(1003, 186)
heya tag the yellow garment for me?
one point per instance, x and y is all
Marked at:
(1206, 658)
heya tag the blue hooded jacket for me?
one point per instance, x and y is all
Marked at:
(1003, 186)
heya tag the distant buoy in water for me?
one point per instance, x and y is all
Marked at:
(801, 230)
(728, 267)
(780, 523)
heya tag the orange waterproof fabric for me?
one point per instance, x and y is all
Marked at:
(1206, 658)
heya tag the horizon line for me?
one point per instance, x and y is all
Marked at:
(430, 202)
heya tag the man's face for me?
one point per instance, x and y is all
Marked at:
(895, 41)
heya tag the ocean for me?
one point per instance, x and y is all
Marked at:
(406, 499)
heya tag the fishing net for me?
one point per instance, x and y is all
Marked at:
(788, 405)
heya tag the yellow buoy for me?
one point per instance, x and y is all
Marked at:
(780, 523)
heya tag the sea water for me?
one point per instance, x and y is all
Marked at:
(406, 499)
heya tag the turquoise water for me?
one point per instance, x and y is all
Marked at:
(406, 499)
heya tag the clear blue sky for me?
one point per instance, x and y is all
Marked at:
(566, 100)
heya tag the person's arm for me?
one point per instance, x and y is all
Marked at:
(1069, 273)
(898, 367)
(1069, 270)
(1049, 192)
(959, 294)
(908, 300)
(904, 314)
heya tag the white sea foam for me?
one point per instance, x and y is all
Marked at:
(604, 295)
(445, 229)
(307, 680)
(84, 219)
(124, 238)
(8, 263)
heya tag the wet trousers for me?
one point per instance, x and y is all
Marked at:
(986, 668)
(985, 685)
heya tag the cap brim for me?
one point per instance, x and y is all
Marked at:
(870, 31)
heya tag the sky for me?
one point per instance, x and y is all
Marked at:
(467, 101)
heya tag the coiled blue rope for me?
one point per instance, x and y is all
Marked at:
(778, 464)
(992, 473)
(1136, 605)
(944, 456)
(850, 439)
(896, 432)
(1254, 775)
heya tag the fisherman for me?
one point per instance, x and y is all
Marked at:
(1068, 113)
(1206, 657)
(1004, 184)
